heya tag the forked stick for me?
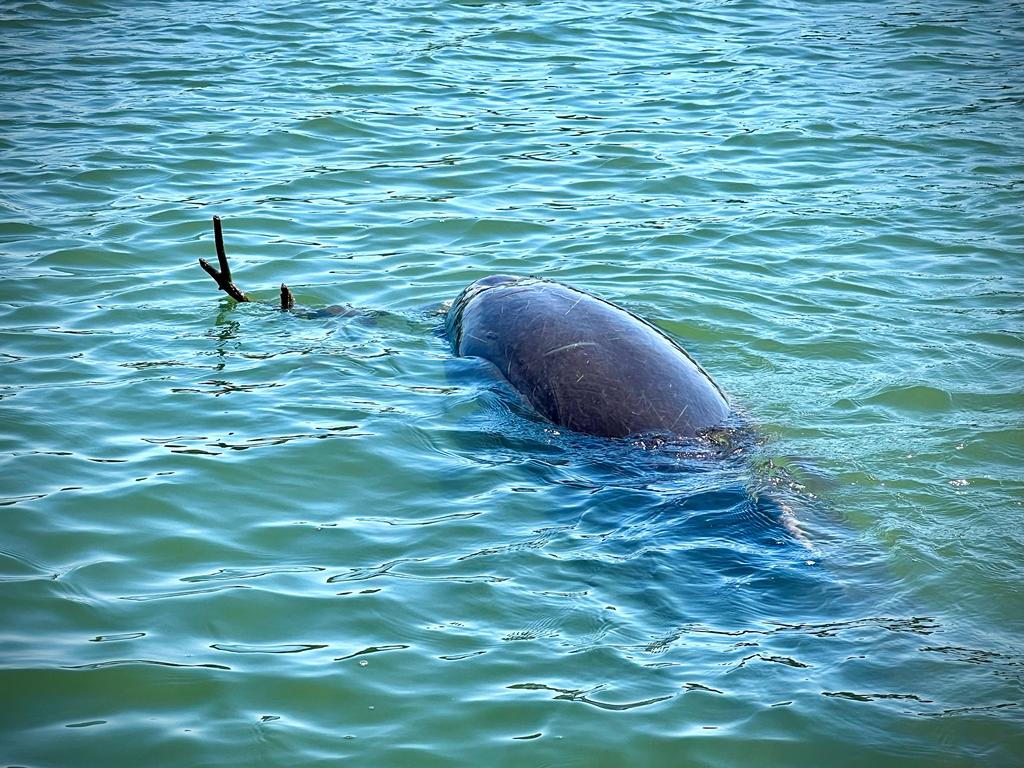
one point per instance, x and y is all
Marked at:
(223, 275)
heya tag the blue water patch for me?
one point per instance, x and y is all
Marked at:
(235, 536)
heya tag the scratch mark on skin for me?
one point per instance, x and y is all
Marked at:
(570, 309)
(574, 345)
(644, 405)
(679, 416)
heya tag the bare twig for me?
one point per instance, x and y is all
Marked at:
(223, 276)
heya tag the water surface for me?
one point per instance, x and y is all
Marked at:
(236, 537)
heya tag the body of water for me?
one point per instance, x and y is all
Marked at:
(236, 537)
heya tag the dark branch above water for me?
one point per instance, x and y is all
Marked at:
(222, 276)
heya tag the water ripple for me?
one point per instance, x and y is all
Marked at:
(823, 208)
(583, 696)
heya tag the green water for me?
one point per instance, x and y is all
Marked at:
(232, 537)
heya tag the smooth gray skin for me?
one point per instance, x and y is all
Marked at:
(582, 362)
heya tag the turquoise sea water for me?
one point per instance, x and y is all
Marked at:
(235, 537)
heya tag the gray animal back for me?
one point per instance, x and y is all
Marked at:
(587, 364)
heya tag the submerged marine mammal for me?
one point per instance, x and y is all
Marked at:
(582, 362)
